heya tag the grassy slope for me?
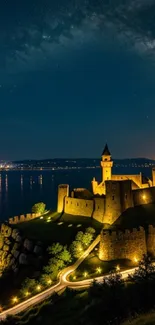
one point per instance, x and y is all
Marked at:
(59, 229)
(146, 319)
(92, 262)
(142, 215)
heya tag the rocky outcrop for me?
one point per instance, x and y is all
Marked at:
(17, 251)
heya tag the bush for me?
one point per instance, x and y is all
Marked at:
(39, 208)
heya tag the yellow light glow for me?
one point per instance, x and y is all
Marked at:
(41, 217)
(117, 268)
(38, 287)
(49, 281)
(85, 274)
(135, 259)
(15, 300)
(99, 270)
(144, 197)
(74, 277)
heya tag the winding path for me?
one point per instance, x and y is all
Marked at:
(62, 284)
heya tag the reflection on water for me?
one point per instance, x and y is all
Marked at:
(40, 179)
(21, 183)
(6, 182)
(20, 191)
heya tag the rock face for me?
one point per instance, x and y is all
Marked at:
(16, 251)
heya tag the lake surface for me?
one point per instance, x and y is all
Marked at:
(19, 191)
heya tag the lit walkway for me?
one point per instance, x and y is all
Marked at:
(63, 283)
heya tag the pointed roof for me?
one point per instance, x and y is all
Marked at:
(106, 151)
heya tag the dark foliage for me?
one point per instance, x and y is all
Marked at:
(109, 302)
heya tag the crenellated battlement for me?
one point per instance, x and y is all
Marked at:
(125, 234)
(127, 244)
(23, 218)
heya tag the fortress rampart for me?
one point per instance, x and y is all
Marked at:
(137, 179)
(106, 208)
(144, 196)
(128, 244)
(23, 218)
(110, 197)
(123, 245)
(79, 206)
(151, 240)
(99, 209)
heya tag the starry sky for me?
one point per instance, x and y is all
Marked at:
(75, 74)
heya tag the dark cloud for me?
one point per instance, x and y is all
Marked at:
(32, 29)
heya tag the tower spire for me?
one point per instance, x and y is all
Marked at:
(106, 151)
(106, 164)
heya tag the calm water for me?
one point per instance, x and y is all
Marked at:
(20, 190)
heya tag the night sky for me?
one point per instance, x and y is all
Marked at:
(75, 74)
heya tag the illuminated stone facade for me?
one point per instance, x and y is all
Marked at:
(137, 181)
(108, 200)
(122, 245)
(127, 244)
(111, 197)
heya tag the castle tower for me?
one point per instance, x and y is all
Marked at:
(106, 164)
(63, 191)
(153, 176)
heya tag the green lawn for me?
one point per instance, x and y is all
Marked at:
(142, 215)
(56, 228)
(92, 266)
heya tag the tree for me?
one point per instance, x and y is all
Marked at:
(55, 249)
(39, 208)
(145, 271)
(29, 285)
(46, 279)
(76, 249)
(79, 236)
(56, 263)
(90, 230)
(65, 255)
(87, 238)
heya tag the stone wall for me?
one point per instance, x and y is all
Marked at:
(118, 199)
(23, 218)
(137, 179)
(79, 206)
(144, 196)
(16, 251)
(153, 176)
(151, 240)
(99, 204)
(122, 245)
(63, 191)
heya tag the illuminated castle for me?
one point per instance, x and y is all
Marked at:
(109, 198)
(137, 181)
